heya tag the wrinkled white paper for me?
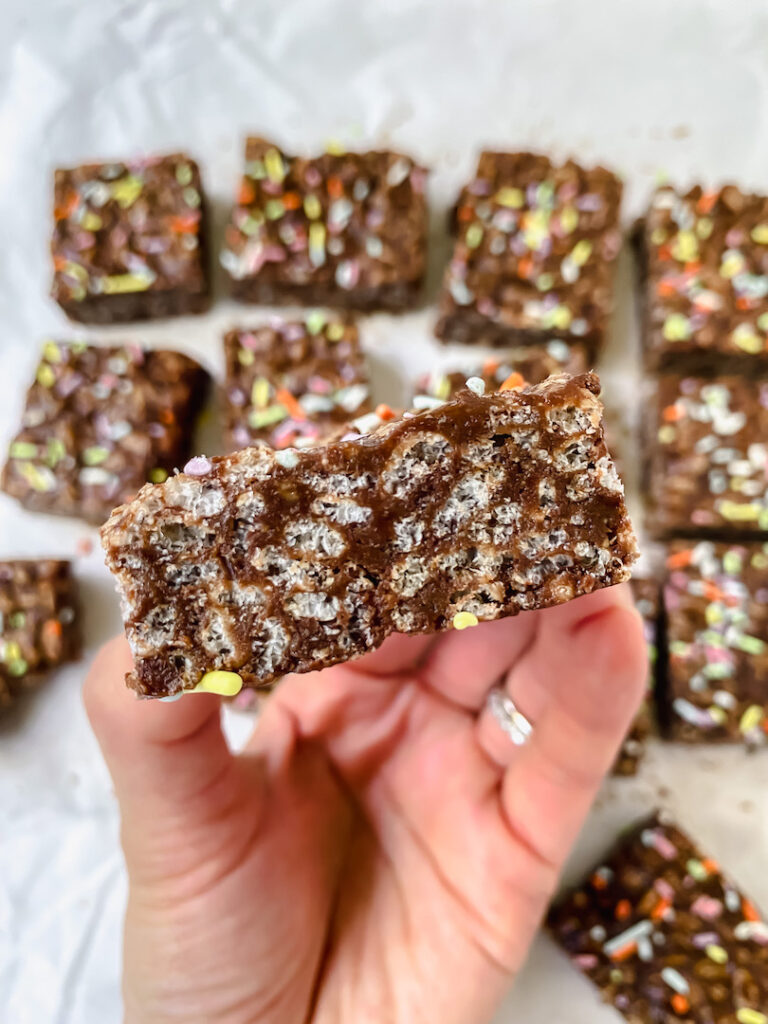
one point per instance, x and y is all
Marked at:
(643, 85)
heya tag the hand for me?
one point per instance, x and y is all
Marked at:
(379, 853)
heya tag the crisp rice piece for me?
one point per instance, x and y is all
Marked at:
(263, 563)
(707, 457)
(39, 627)
(341, 229)
(534, 254)
(129, 240)
(703, 260)
(715, 682)
(98, 423)
(665, 936)
(646, 592)
(293, 382)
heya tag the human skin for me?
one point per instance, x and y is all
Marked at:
(380, 851)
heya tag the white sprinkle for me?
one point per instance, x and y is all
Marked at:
(198, 466)
(367, 423)
(171, 699)
(427, 402)
(631, 935)
(675, 980)
(287, 458)
(476, 384)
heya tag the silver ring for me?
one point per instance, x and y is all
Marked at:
(512, 722)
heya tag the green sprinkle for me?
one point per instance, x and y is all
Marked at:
(39, 478)
(191, 197)
(732, 563)
(474, 236)
(315, 321)
(544, 282)
(184, 174)
(762, 322)
(23, 450)
(696, 870)
(56, 450)
(17, 620)
(274, 209)
(750, 644)
(704, 227)
(258, 418)
(158, 475)
(17, 667)
(676, 327)
(95, 455)
(10, 651)
(658, 236)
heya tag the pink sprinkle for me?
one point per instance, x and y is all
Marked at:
(701, 517)
(703, 939)
(248, 340)
(198, 466)
(734, 237)
(84, 546)
(418, 180)
(584, 961)
(312, 176)
(663, 846)
(707, 908)
(664, 889)
(273, 254)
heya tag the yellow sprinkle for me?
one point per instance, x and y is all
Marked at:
(759, 234)
(51, 352)
(91, 221)
(685, 248)
(751, 718)
(735, 512)
(127, 190)
(569, 219)
(335, 331)
(512, 197)
(119, 284)
(335, 147)
(716, 953)
(158, 475)
(704, 227)
(312, 207)
(747, 1016)
(225, 683)
(45, 376)
(260, 393)
(273, 164)
(581, 252)
(667, 434)
(463, 620)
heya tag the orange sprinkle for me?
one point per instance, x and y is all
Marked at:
(598, 882)
(624, 952)
(465, 213)
(514, 382)
(711, 591)
(291, 200)
(525, 267)
(711, 865)
(706, 201)
(184, 224)
(693, 267)
(665, 289)
(743, 302)
(749, 911)
(680, 1004)
(660, 909)
(672, 414)
(52, 628)
(68, 206)
(166, 416)
(247, 192)
(665, 252)
(335, 187)
(295, 411)
(490, 366)
(384, 412)
(680, 559)
(623, 910)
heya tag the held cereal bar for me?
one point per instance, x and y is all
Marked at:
(252, 565)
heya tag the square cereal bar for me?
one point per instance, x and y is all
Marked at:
(530, 363)
(259, 563)
(715, 684)
(39, 626)
(703, 260)
(646, 594)
(98, 423)
(534, 254)
(707, 457)
(290, 383)
(129, 240)
(665, 936)
(341, 229)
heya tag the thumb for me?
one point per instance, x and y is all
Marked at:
(172, 770)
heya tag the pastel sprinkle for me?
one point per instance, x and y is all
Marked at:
(23, 450)
(747, 1016)
(227, 684)
(759, 234)
(260, 393)
(198, 466)
(119, 284)
(751, 718)
(474, 236)
(716, 953)
(476, 384)
(273, 164)
(463, 620)
(511, 197)
(676, 327)
(158, 475)
(45, 376)
(287, 458)
(675, 980)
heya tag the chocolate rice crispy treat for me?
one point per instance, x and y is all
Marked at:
(293, 382)
(665, 936)
(342, 229)
(707, 458)
(715, 684)
(263, 563)
(529, 363)
(129, 240)
(703, 260)
(534, 254)
(98, 423)
(646, 592)
(39, 626)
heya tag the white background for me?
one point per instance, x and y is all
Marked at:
(647, 86)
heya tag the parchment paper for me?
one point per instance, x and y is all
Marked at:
(646, 86)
